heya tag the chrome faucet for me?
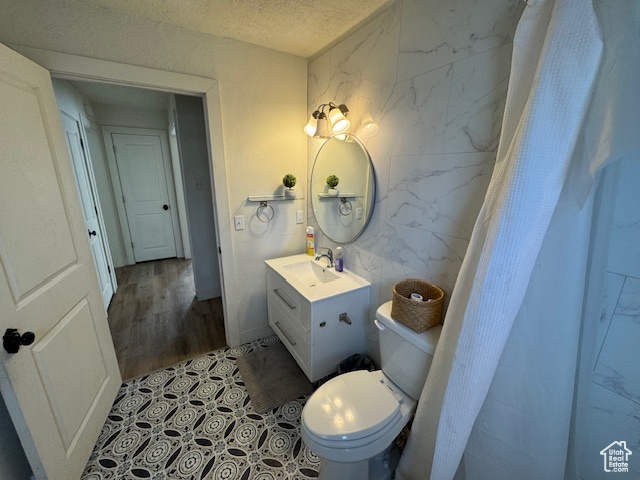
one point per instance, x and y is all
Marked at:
(329, 256)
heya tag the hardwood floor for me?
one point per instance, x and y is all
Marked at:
(155, 319)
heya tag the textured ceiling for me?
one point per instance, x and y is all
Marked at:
(299, 27)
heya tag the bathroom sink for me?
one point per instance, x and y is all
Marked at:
(310, 273)
(313, 279)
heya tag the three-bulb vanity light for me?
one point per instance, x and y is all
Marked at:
(323, 125)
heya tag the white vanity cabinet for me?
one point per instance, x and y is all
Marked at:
(320, 324)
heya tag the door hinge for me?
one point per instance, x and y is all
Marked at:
(219, 250)
(114, 147)
(82, 144)
(96, 209)
(109, 269)
(123, 200)
(131, 244)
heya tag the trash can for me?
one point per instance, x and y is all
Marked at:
(355, 362)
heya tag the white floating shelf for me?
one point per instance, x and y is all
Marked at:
(340, 195)
(271, 198)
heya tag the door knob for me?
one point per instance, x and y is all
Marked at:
(165, 207)
(12, 340)
(92, 232)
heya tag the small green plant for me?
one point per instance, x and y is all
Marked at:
(332, 181)
(289, 180)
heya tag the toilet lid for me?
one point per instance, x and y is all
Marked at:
(350, 406)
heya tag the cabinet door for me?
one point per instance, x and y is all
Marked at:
(297, 345)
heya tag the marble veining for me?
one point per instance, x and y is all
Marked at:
(477, 100)
(436, 33)
(616, 368)
(412, 115)
(613, 288)
(445, 259)
(366, 61)
(439, 193)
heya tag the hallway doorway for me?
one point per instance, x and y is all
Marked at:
(156, 320)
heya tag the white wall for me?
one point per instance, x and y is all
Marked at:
(105, 193)
(254, 82)
(434, 76)
(192, 144)
(177, 177)
(124, 116)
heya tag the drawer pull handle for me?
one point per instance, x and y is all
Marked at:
(293, 344)
(277, 292)
(344, 318)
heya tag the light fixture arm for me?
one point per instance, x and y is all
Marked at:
(323, 125)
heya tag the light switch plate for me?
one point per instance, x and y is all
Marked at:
(299, 216)
(358, 213)
(239, 222)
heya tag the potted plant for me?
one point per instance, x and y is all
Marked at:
(289, 181)
(332, 181)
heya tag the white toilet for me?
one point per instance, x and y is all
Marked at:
(351, 421)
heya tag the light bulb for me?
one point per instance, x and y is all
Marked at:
(339, 122)
(368, 127)
(311, 126)
(323, 127)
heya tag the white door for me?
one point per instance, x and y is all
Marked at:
(59, 389)
(141, 167)
(97, 241)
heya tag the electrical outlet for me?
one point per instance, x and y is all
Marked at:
(299, 216)
(358, 213)
(239, 222)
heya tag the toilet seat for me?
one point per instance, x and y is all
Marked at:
(350, 407)
(379, 436)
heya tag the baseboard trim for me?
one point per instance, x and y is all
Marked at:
(207, 293)
(256, 334)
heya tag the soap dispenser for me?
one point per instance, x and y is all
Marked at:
(339, 261)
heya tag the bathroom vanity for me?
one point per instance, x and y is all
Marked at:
(319, 314)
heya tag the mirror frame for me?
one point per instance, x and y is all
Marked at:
(313, 194)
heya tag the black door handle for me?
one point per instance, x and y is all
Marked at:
(12, 340)
(165, 207)
(92, 232)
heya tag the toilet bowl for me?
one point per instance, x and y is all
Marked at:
(352, 420)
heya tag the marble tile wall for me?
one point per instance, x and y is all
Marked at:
(434, 75)
(614, 403)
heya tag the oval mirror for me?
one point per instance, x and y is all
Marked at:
(342, 212)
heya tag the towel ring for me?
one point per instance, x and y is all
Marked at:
(262, 209)
(344, 207)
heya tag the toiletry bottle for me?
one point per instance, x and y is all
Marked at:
(310, 242)
(339, 261)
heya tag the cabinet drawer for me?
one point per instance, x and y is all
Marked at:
(291, 302)
(297, 345)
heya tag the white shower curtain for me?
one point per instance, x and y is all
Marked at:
(565, 117)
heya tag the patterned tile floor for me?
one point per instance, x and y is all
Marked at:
(195, 421)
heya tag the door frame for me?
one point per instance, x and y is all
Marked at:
(117, 186)
(73, 67)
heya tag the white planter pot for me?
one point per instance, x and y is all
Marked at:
(333, 192)
(289, 193)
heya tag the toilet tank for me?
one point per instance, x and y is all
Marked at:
(405, 355)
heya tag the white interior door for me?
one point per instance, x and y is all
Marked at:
(97, 240)
(141, 167)
(60, 388)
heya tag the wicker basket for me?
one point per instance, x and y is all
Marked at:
(417, 315)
